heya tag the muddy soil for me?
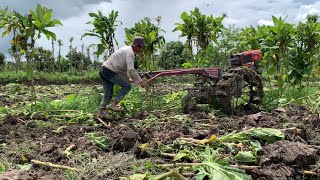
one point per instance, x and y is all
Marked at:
(281, 160)
(23, 138)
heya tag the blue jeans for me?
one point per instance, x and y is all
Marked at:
(109, 78)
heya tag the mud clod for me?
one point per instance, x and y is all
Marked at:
(290, 153)
(274, 172)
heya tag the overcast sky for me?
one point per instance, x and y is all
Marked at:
(74, 14)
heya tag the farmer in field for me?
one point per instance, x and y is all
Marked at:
(115, 70)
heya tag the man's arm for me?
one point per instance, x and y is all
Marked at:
(133, 73)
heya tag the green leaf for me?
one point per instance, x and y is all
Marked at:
(47, 17)
(245, 156)
(60, 129)
(40, 11)
(268, 134)
(181, 154)
(216, 171)
(99, 140)
(50, 34)
(30, 73)
(139, 176)
(6, 32)
(93, 15)
(101, 49)
(38, 23)
(54, 22)
(90, 34)
(256, 146)
(24, 167)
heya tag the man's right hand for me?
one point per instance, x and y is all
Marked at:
(143, 84)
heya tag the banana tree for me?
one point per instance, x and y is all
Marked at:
(187, 29)
(200, 29)
(26, 30)
(153, 40)
(104, 29)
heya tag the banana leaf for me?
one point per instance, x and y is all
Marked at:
(211, 170)
(245, 156)
(270, 135)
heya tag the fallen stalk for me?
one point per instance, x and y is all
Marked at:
(307, 172)
(101, 121)
(197, 164)
(53, 165)
(173, 172)
(310, 172)
(68, 149)
(168, 155)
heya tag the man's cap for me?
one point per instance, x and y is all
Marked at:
(138, 40)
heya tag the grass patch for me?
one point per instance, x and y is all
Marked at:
(306, 96)
(90, 76)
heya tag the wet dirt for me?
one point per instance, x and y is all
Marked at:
(276, 172)
(281, 160)
(290, 153)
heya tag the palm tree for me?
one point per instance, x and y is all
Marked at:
(88, 53)
(59, 44)
(52, 45)
(59, 54)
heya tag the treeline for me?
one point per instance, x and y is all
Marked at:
(291, 51)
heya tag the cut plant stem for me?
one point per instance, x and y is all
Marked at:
(310, 173)
(105, 124)
(49, 164)
(197, 164)
(168, 155)
(68, 149)
(173, 172)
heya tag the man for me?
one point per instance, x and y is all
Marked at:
(115, 70)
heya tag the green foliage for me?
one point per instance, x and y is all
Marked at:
(211, 170)
(13, 88)
(104, 29)
(2, 58)
(249, 39)
(78, 61)
(199, 29)
(26, 29)
(267, 134)
(245, 156)
(50, 78)
(303, 62)
(87, 103)
(153, 40)
(43, 60)
(277, 40)
(98, 139)
(133, 105)
(139, 176)
(305, 96)
(173, 55)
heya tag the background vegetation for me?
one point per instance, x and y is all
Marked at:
(290, 51)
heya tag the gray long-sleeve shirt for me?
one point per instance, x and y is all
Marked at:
(122, 61)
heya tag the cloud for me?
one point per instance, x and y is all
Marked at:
(304, 10)
(74, 14)
(62, 8)
(265, 22)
